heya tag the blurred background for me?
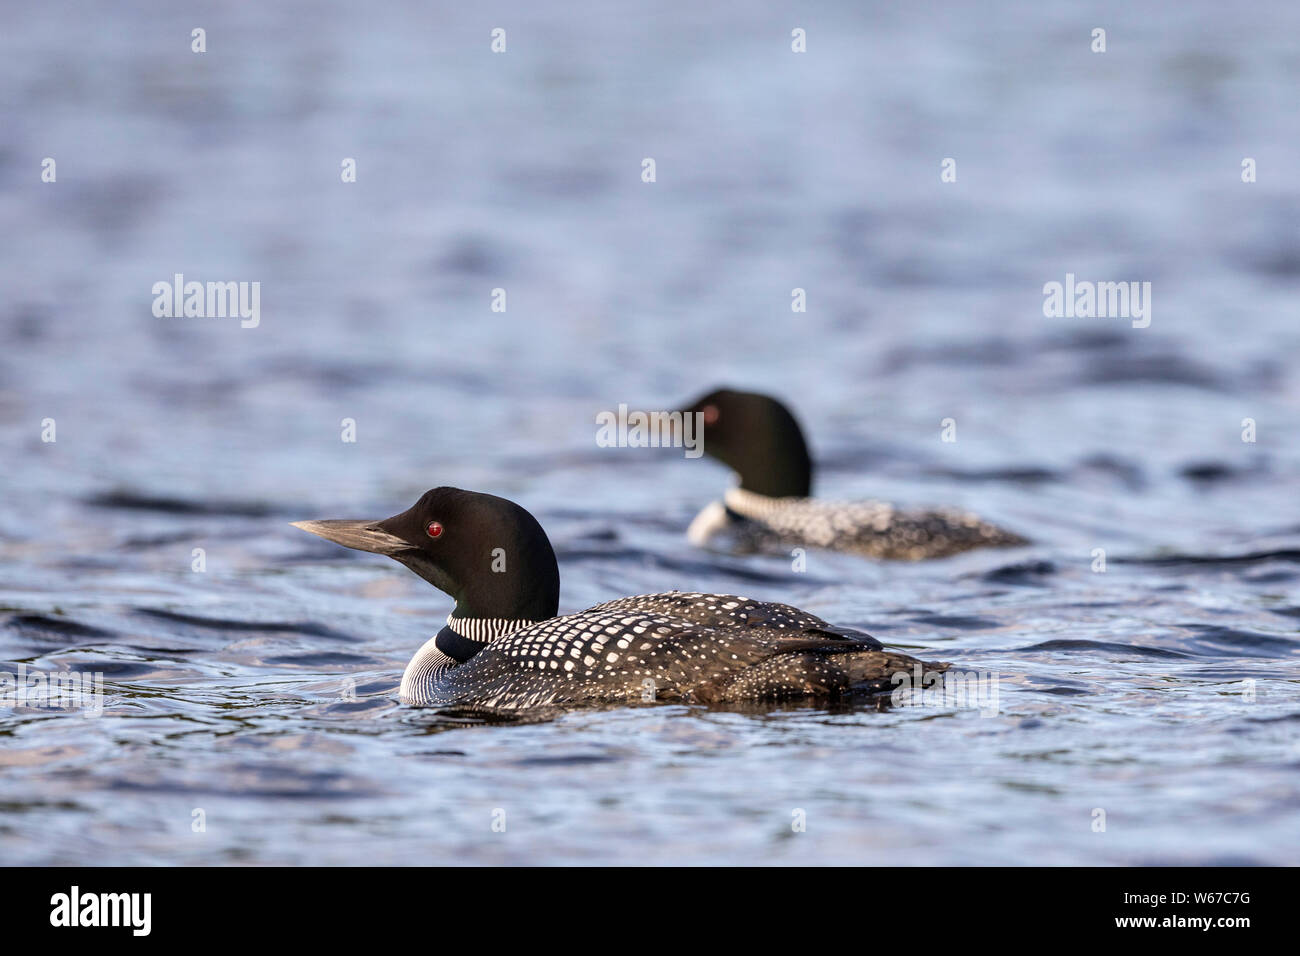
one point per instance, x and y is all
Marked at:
(522, 171)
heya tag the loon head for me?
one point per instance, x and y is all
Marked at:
(758, 438)
(487, 553)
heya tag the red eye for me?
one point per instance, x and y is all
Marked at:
(434, 529)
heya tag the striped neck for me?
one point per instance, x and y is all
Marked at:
(484, 630)
(749, 504)
(422, 674)
(461, 639)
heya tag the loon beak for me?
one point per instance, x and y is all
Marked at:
(361, 535)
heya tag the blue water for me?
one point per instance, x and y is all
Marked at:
(1162, 691)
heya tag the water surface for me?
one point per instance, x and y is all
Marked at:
(1162, 691)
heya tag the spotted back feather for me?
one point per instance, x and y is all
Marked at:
(873, 528)
(675, 646)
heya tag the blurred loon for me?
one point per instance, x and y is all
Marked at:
(772, 507)
(504, 648)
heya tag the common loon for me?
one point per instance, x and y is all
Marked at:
(772, 508)
(504, 648)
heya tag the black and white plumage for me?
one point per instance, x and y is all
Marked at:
(773, 509)
(504, 648)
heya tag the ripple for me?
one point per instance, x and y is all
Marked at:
(1239, 642)
(56, 628)
(319, 659)
(238, 624)
(126, 500)
(1213, 561)
(955, 620)
(1122, 650)
(1025, 573)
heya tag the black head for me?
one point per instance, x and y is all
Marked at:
(759, 439)
(486, 552)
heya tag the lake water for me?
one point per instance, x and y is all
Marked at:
(1162, 692)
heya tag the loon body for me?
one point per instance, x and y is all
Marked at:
(773, 508)
(504, 648)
